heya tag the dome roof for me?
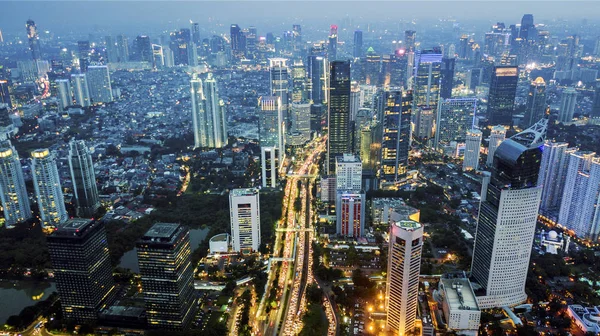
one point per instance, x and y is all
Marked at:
(552, 234)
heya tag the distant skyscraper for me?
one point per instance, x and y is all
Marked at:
(98, 79)
(454, 118)
(339, 140)
(65, 95)
(167, 273)
(497, 135)
(299, 121)
(568, 102)
(83, 177)
(4, 93)
(507, 220)
(358, 44)
(553, 174)
(15, 201)
(112, 53)
(280, 83)
(297, 37)
(158, 56)
(410, 37)
(318, 79)
(269, 158)
(122, 48)
(424, 122)
(396, 134)
(404, 265)
(84, 53)
(299, 89)
(472, 149)
(208, 114)
(142, 47)
(238, 43)
(34, 40)
(372, 68)
(332, 44)
(536, 102)
(82, 270)
(196, 33)
(244, 210)
(428, 65)
(46, 182)
(270, 122)
(81, 90)
(447, 77)
(503, 89)
(595, 113)
(527, 31)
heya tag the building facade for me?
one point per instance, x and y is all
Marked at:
(340, 135)
(472, 150)
(15, 201)
(244, 211)
(83, 177)
(48, 191)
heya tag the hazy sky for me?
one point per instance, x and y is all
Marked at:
(84, 15)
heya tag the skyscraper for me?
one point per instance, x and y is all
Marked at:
(299, 121)
(507, 220)
(164, 258)
(397, 112)
(84, 53)
(536, 102)
(238, 43)
(332, 44)
(279, 83)
(595, 113)
(81, 90)
(339, 140)
(350, 213)
(208, 114)
(98, 79)
(46, 182)
(269, 159)
(34, 40)
(122, 48)
(503, 89)
(553, 174)
(244, 211)
(447, 77)
(497, 135)
(568, 102)
(270, 122)
(12, 184)
(83, 177)
(299, 89)
(428, 65)
(404, 265)
(454, 118)
(112, 53)
(410, 37)
(195, 33)
(318, 79)
(527, 31)
(142, 48)
(4, 93)
(82, 270)
(358, 44)
(348, 172)
(158, 55)
(65, 95)
(472, 149)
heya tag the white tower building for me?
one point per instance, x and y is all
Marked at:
(568, 102)
(12, 187)
(81, 90)
(244, 212)
(83, 176)
(497, 135)
(98, 79)
(472, 148)
(269, 158)
(46, 182)
(553, 175)
(348, 172)
(65, 95)
(208, 114)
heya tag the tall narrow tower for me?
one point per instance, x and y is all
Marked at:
(497, 135)
(339, 140)
(46, 182)
(34, 40)
(12, 184)
(244, 210)
(472, 149)
(83, 176)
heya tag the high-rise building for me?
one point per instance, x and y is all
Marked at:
(271, 124)
(454, 118)
(447, 77)
(244, 211)
(372, 68)
(568, 102)
(503, 89)
(348, 172)
(81, 90)
(497, 135)
(82, 271)
(553, 175)
(404, 265)
(7, 128)
(396, 122)
(595, 113)
(279, 83)
(397, 70)
(122, 48)
(528, 31)
(340, 135)
(34, 40)
(84, 54)
(536, 102)
(65, 95)
(332, 43)
(410, 37)
(299, 89)
(4, 93)
(350, 213)
(46, 182)
(83, 177)
(98, 79)
(318, 79)
(142, 48)
(195, 33)
(579, 209)
(165, 262)
(507, 220)
(158, 56)
(472, 149)
(238, 41)
(269, 158)
(428, 66)
(12, 184)
(299, 121)
(358, 44)
(112, 53)
(208, 114)
(424, 122)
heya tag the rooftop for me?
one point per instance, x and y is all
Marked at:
(459, 294)
(220, 237)
(243, 192)
(161, 230)
(407, 225)
(75, 224)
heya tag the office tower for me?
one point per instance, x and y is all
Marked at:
(527, 31)
(83, 178)
(251, 42)
(81, 90)
(34, 40)
(208, 114)
(317, 116)
(238, 43)
(350, 213)
(595, 113)
(348, 172)
(4, 93)
(372, 68)
(83, 53)
(46, 182)
(553, 174)
(369, 145)
(195, 33)
(167, 273)
(396, 122)
(579, 206)
(299, 90)
(497, 135)
(179, 43)
(244, 212)
(454, 118)
(463, 47)
(65, 96)
(318, 71)
(28, 70)
(299, 121)
(7, 128)
(332, 43)
(158, 56)
(271, 125)
(169, 57)
(122, 48)
(98, 79)
(269, 158)
(112, 53)
(82, 271)
(424, 122)
(568, 102)
(428, 66)
(279, 83)
(339, 140)
(15, 201)
(447, 77)
(297, 37)
(142, 48)
(472, 148)
(507, 220)
(358, 44)
(410, 37)
(503, 89)
(404, 265)
(536, 102)
(397, 70)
